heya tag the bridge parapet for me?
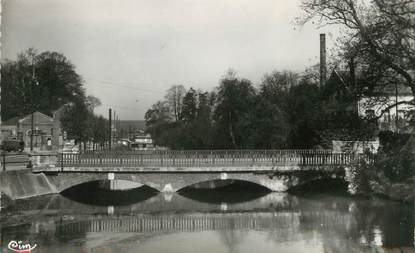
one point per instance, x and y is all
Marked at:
(197, 160)
(42, 159)
(170, 171)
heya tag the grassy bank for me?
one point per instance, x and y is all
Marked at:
(389, 173)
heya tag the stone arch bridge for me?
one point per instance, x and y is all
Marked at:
(170, 171)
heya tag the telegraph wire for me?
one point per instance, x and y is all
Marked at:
(121, 85)
(122, 107)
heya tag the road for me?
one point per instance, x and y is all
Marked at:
(15, 161)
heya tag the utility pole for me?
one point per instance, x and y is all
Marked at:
(114, 122)
(109, 128)
(129, 132)
(118, 128)
(33, 104)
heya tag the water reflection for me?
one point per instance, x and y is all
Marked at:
(97, 193)
(234, 192)
(174, 223)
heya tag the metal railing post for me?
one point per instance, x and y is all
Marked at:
(3, 155)
(62, 161)
(206, 157)
(173, 159)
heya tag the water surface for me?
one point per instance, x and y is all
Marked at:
(271, 222)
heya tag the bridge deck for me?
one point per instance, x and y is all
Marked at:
(170, 161)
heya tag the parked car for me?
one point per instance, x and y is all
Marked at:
(12, 145)
(69, 148)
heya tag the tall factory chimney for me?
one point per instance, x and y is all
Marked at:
(323, 63)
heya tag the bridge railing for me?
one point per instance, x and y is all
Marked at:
(215, 158)
(208, 152)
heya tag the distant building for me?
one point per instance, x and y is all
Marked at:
(338, 93)
(341, 97)
(142, 142)
(47, 133)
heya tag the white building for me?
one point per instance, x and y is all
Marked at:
(382, 106)
(142, 142)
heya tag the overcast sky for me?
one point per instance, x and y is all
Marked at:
(130, 52)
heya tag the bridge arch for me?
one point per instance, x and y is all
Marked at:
(173, 182)
(273, 184)
(64, 182)
(218, 181)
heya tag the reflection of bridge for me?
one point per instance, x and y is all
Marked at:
(149, 223)
(277, 170)
(288, 218)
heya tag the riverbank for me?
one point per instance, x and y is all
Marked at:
(390, 173)
(20, 184)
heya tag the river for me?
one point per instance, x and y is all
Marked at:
(214, 221)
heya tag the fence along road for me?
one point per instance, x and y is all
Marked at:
(204, 158)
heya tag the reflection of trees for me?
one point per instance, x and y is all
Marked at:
(394, 220)
(285, 227)
(232, 237)
(343, 225)
(352, 226)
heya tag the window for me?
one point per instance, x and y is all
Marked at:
(370, 113)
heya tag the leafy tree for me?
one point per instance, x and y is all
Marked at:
(157, 117)
(271, 116)
(159, 113)
(270, 124)
(43, 82)
(233, 112)
(204, 108)
(77, 121)
(203, 126)
(92, 102)
(100, 131)
(303, 110)
(189, 108)
(276, 85)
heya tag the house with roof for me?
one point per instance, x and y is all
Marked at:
(47, 133)
(391, 105)
(42, 130)
(387, 104)
(339, 93)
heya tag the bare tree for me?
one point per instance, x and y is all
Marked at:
(379, 35)
(93, 102)
(174, 98)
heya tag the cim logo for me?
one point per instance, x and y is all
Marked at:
(20, 247)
